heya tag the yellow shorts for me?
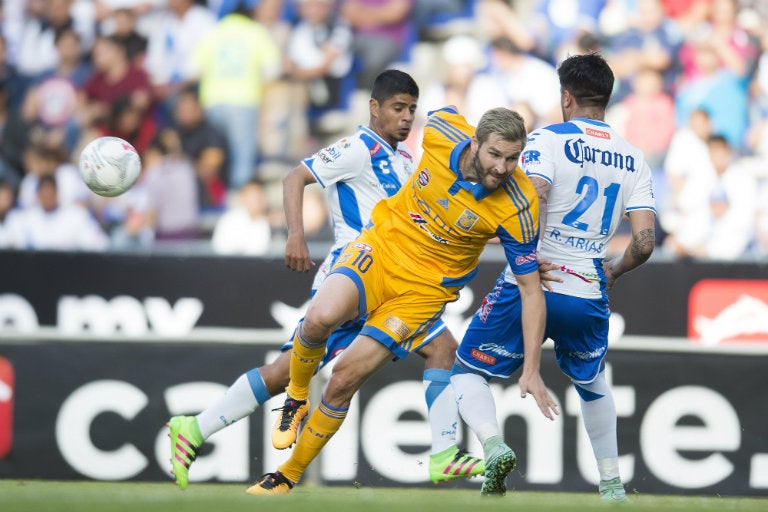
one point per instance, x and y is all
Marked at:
(401, 306)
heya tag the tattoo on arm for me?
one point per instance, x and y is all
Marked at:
(642, 245)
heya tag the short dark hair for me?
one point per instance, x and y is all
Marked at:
(47, 180)
(392, 82)
(718, 139)
(588, 78)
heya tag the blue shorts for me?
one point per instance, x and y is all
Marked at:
(493, 343)
(344, 335)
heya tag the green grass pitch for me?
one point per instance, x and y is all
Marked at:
(45, 496)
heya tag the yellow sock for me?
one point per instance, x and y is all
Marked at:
(305, 357)
(324, 422)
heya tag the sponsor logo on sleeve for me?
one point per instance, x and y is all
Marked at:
(528, 258)
(531, 157)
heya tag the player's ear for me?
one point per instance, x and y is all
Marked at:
(565, 98)
(373, 107)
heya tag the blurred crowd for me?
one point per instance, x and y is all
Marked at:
(222, 97)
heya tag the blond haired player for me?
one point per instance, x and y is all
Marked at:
(421, 248)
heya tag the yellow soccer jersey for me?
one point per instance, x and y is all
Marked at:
(437, 225)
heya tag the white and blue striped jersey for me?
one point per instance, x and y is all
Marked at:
(595, 176)
(356, 173)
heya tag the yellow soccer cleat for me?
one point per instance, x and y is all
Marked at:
(287, 425)
(271, 484)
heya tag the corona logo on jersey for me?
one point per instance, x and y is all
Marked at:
(578, 152)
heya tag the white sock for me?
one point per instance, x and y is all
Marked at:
(238, 402)
(599, 414)
(608, 468)
(441, 406)
(476, 404)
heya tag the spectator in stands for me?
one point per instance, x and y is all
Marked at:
(737, 51)
(14, 84)
(687, 14)
(384, 34)
(178, 29)
(281, 111)
(129, 122)
(428, 15)
(129, 217)
(757, 138)
(231, 89)
(648, 117)
(143, 11)
(7, 203)
(463, 57)
(319, 56)
(716, 89)
(524, 78)
(244, 228)
(43, 158)
(37, 51)
(205, 146)
(721, 225)
(557, 24)
(171, 187)
(651, 42)
(47, 224)
(316, 222)
(51, 102)
(114, 77)
(760, 247)
(125, 31)
(13, 139)
(500, 18)
(687, 169)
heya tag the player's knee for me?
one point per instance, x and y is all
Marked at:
(320, 322)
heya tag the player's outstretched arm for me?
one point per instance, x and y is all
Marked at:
(639, 249)
(296, 250)
(534, 313)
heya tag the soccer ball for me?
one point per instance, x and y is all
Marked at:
(109, 166)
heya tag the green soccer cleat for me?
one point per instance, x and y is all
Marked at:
(613, 491)
(452, 463)
(271, 484)
(186, 440)
(287, 425)
(496, 470)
